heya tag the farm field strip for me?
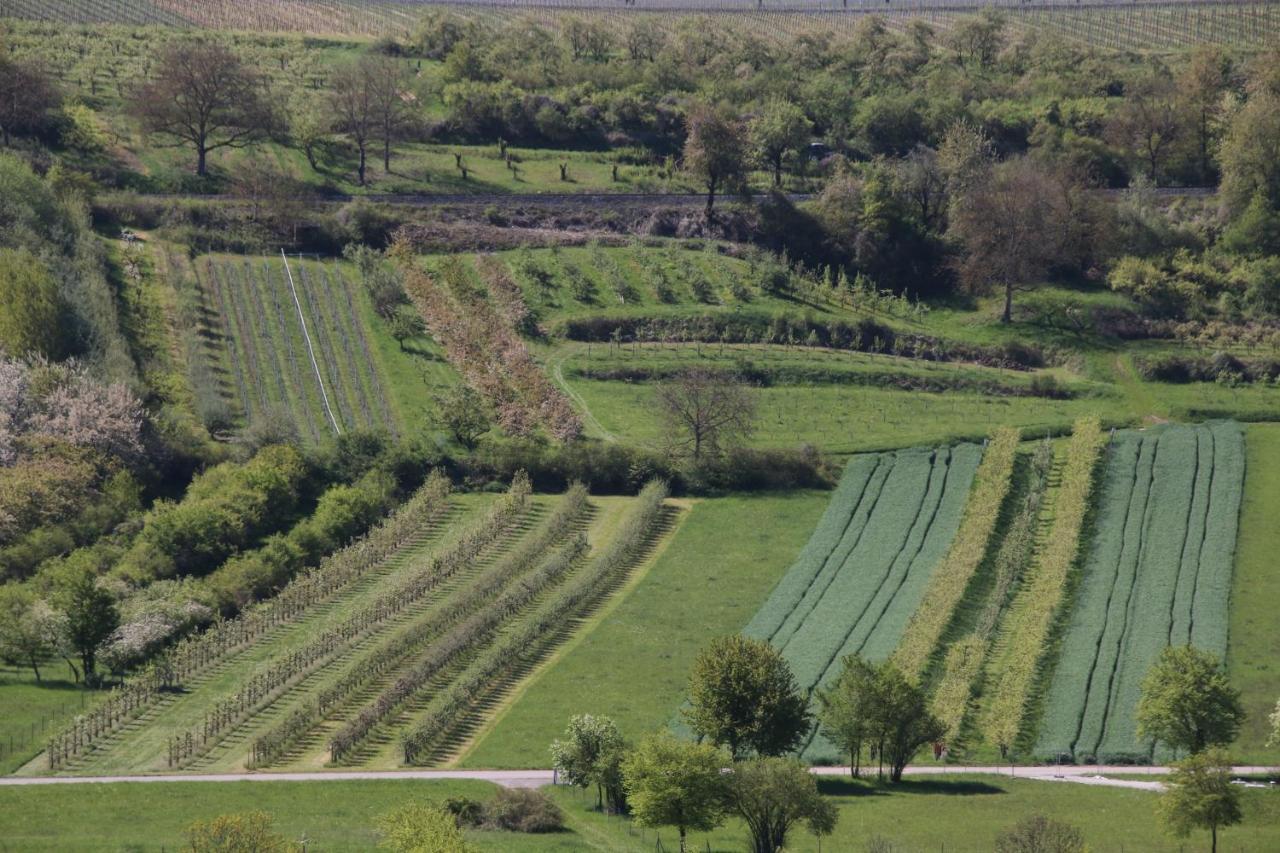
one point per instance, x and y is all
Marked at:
(268, 356)
(966, 658)
(948, 583)
(864, 572)
(1159, 573)
(1023, 643)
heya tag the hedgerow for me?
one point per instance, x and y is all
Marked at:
(951, 578)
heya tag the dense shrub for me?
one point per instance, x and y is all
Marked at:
(523, 810)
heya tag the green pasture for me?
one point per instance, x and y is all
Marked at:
(959, 812)
(30, 710)
(632, 662)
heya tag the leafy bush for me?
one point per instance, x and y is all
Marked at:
(523, 810)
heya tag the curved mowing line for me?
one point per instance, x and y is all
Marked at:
(311, 350)
(1129, 620)
(924, 495)
(1115, 580)
(1208, 505)
(817, 599)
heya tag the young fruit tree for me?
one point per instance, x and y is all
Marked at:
(673, 782)
(1199, 795)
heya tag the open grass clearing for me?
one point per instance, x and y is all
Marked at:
(31, 710)
(633, 663)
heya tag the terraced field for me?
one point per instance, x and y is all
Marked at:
(1158, 573)
(399, 664)
(296, 345)
(865, 570)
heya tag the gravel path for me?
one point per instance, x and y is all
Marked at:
(1090, 775)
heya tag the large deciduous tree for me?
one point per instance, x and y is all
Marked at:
(772, 795)
(371, 103)
(1147, 123)
(715, 151)
(27, 96)
(1250, 154)
(90, 612)
(1199, 795)
(672, 782)
(877, 708)
(778, 130)
(743, 696)
(705, 411)
(202, 95)
(1187, 702)
(1016, 221)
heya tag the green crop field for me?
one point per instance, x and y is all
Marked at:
(864, 571)
(1158, 573)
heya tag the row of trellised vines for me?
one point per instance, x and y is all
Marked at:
(532, 635)
(195, 654)
(273, 744)
(261, 689)
(951, 578)
(966, 657)
(1039, 600)
(474, 632)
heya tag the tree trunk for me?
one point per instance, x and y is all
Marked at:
(86, 662)
(682, 840)
(75, 673)
(386, 154)
(202, 156)
(363, 160)
(1007, 316)
(711, 197)
(35, 667)
(777, 171)
(1213, 834)
(310, 151)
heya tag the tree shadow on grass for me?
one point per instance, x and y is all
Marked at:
(872, 787)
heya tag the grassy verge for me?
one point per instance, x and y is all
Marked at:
(955, 814)
(1253, 646)
(330, 815)
(29, 710)
(634, 664)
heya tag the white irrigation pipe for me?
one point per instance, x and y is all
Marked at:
(324, 395)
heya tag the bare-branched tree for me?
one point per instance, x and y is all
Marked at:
(202, 96)
(705, 412)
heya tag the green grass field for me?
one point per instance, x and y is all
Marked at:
(957, 813)
(1253, 644)
(633, 663)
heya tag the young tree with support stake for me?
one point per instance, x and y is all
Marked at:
(671, 782)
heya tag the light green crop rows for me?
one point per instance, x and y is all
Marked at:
(864, 572)
(1158, 574)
